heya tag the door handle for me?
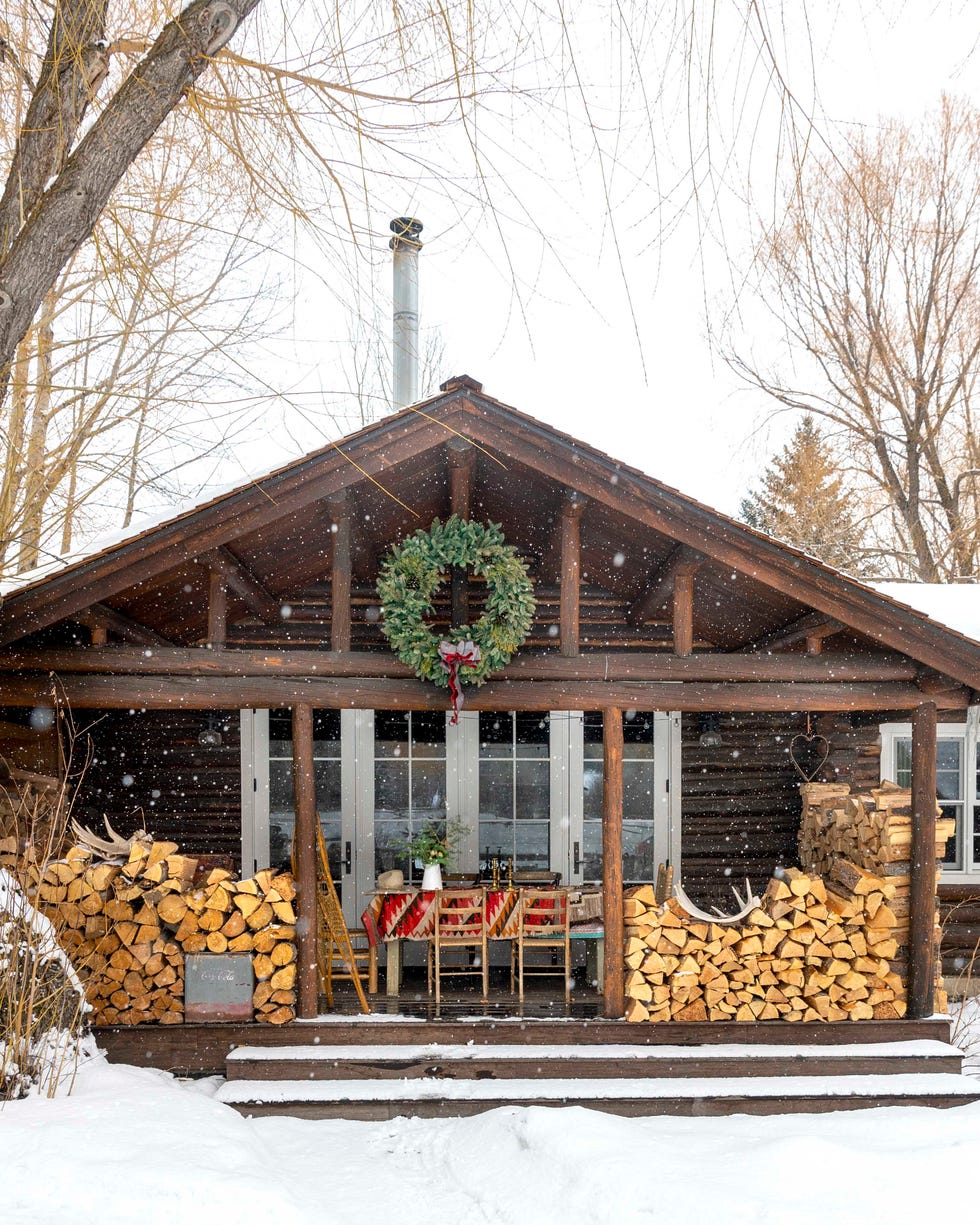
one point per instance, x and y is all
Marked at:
(576, 857)
(347, 858)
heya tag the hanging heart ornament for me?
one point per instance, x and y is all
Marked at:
(808, 745)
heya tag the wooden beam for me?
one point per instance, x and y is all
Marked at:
(528, 665)
(217, 609)
(814, 625)
(99, 634)
(462, 469)
(613, 983)
(930, 681)
(571, 571)
(207, 692)
(244, 584)
(683, 611)
(340, 575)
(304, 803)
(681, 560)
(101, 617)
(922, 886)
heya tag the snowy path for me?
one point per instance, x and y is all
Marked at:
(132, 1145)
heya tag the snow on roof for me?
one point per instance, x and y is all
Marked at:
(955, 605)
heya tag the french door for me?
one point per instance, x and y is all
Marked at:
(525, 786)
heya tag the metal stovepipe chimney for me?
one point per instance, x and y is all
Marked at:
(405, 304)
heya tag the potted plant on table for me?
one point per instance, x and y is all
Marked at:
(433, 846)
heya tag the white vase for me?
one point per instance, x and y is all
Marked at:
(432, 877)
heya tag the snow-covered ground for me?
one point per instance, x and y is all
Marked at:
(131, 1145)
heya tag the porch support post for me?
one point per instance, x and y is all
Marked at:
(340, 576)
(922, 886)
(684, 611)
(571, 571)
(217, 609)
(304, 796)
(612, 861)
(462, 464)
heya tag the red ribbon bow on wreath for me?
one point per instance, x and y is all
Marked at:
(454, 654)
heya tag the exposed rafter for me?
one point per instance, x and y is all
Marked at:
(811, 626)
(570, 553)
(340, 574)
(106, 619)
(682, 560)
(244, 584)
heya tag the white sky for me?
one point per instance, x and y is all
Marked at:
(547, 326)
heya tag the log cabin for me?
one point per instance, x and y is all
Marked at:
(231, 658)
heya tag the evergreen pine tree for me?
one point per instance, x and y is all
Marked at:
(801, 500)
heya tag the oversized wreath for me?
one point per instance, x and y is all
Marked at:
(409, 579)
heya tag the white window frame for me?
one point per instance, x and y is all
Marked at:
(967, 733)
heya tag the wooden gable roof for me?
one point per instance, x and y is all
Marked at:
(274, 536)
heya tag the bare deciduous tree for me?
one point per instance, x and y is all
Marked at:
(874, 275)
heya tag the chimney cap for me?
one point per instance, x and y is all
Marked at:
(405, 229)
(460, 382)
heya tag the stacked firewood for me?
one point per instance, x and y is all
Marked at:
(809, 952)
(254, 916)
(127, 927)
(871, 829)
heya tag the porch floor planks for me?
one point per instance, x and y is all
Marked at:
(201, 1049)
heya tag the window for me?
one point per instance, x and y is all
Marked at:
(409, 783)
(327, 773)
(957, 786)
(515, 788)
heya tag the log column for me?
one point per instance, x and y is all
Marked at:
(922, 886)
(683, 610)
(613, 983)
(304, 801)
(340, 575)
(571, 570)
(462, 465)
(217, 609)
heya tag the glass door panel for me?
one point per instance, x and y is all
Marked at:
(409, 784)
(327, 773)
(515, 789)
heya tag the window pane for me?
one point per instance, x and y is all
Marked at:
(533, 799)
(390, 837)
(390, 733)
(592, 730)
(533, 735)
(496, 790)
(391, 786)
(948, 755)
(976, 833)
(953, 857)
(638, 736)
(327, 776)
(592, 851)
(428, 792)
(592, 790)
(638, 789)
(496, 838)
(428, 733)
(281, 786)
(903, 761)
(532, 845)
(638, 862)
(496, 734)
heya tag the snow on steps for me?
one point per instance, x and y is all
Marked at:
(604, 1061)
(440, 1098)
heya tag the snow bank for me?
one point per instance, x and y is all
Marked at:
(135, 1144)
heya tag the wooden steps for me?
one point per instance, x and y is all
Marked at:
(437, 1098)
(536, 1062)
(382, 1069)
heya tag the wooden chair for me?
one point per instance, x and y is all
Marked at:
(542, 924)
(338, 958)
(460, 925)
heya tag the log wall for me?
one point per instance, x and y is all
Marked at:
(186, 793)
(741, 801)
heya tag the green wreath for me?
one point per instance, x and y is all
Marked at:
(414, 571)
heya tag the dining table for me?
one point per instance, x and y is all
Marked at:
(397, 915)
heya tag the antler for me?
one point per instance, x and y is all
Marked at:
(115, 847)
(696, 913)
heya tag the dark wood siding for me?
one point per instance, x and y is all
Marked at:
(741, 800)
(148, 766)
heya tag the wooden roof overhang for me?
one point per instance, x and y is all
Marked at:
(637, 551)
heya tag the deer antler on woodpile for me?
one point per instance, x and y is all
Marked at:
(113, 847)
(747, 906)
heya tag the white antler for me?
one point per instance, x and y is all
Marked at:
(695, 912)
(113, 847)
